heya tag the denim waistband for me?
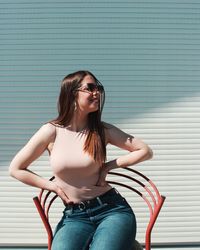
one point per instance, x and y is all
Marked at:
(99, 200)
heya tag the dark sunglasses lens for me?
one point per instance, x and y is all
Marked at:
(94, 87)
(91, 87)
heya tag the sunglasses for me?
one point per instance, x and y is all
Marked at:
(91, 88)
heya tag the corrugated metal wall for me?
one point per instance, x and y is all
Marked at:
(147, 55)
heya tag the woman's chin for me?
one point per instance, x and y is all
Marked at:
(93, 109)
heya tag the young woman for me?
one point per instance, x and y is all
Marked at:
(96, 216)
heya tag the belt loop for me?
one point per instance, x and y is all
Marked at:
(70, 206)
(99, 200)
(116, 191)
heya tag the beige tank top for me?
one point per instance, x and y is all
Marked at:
(75, 171)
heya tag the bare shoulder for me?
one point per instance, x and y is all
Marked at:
(107, 125)
(47, 131)
(119, 138)
(49, 134)
(45, 134)
(35, 146)
(114, 134)
(49, 128)
(112, 129)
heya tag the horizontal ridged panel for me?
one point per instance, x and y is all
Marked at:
(147, 55)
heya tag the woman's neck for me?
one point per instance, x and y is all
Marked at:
(78, 123)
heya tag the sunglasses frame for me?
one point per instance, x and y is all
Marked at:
(96, 88)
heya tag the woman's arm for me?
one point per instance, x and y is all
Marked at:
(30, 152)
(138, 150)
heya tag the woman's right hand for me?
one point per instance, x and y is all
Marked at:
(56, 189)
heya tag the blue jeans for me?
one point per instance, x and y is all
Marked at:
(108, 225)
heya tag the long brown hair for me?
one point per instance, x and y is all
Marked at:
(95, 140)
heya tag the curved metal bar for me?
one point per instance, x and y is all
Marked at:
(147, 179)
(129, 177)
(44, 220)
(155, 189)
(40, 205)
(138, 173)
(47, 194)
(139, 182)
(50, 203)
(40, 195)
(152, 222)
(42, 190)
(52, 178)
(45, 199)
(136, 191)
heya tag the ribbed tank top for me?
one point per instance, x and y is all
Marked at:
(75, 171)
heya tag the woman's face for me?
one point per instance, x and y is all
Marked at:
(88, 95)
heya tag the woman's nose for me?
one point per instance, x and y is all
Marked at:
(95, 92)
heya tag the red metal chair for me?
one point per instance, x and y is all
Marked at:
(149, 193)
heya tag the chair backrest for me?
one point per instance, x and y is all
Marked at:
(147, 190)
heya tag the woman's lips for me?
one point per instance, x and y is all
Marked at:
(94, 100)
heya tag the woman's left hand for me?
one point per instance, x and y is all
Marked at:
(106, 167)
(102, 177)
